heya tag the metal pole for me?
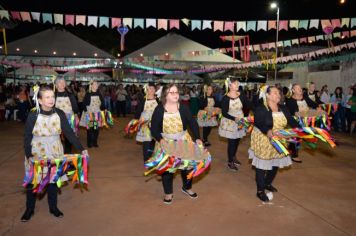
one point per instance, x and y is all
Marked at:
(275, 66)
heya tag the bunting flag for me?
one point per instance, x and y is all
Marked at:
(4, 14)
(303, 40)
(47, 17)
(345, 34)
(272, 24)
(251, 25)
(293, 24)
(256, 48)
(186, 21)
(283, 25)
(287, 43)
(150, 23)
(262, 25)
(311, 39)
(36, 16)
(207, 24)
(115, 22)
(295, 42)
(353, 33)
(218, 25)
(173, 24)
(336, 23)
(127, 22)
(229, 25)
(104, 21)
(25, 16)
(15, 15)
(69, 19)
(196, 24)
(303, 24)
(58, 19)
(240, 25)
(345, 22)
(325, 24)
(80, 19)
(139, 23)
(93, 20)
(319, 37)
(314, 23)
(336, 35)
(353, 22)
(162, 24)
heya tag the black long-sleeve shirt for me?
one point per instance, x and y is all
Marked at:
(66, 129)
(292, 104)
(140, 107)
(225, 104)
(72, 99)
(264, 119)
(87, 99)
(186, 116)
(203, 103)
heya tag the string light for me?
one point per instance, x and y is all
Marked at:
(74, 53)
(35, 51)
(95, 54)
(54, 52)
(17, 49)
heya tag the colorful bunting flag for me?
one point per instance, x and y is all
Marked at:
(251, 25)
(4, 14)
(173, 24)
(240, 25)
(262, 25)
(353, 22)
(314, 23)
(229, 25)
(15, 15)
(104, 21)
(127, 22)
(283, 25)
(336, 23)
(138, 22)
(115, 22)
(207, 24)
(69, 20)
(345, 22)
(58, 19)
(293, 24)
(303, 24)
(196, 24)
(151, 23)
(186, 21)
(25, 16)
(80, 19)
(272, 24)
(47, 17)
(218, 25)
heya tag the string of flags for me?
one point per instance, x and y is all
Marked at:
(167, 24)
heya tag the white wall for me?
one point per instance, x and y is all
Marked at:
(343, 77)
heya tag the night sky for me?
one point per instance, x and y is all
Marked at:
(108, 39)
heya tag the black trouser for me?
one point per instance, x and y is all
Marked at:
(67, 146)
(348, 115)
(167, 181)
(292, 147)
(265, 178)
(206, 132)
(121, 108)
(92, 137)
(232, 146)
(147, 148)
(52, 195)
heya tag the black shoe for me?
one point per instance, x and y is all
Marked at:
(168, 201)
(193, 195)
(27, 215)
(271, 188)
(232, 166)
(237, 163)
(56, 212)
(297, 160)
(262, 196)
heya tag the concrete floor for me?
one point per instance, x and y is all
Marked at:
(317, 197)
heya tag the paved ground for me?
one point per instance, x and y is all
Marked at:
(317, 197)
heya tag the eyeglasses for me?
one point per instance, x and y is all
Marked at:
(172, 93)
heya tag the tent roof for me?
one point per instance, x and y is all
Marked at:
(173, 43)
(61, 41)
(28, 71)
(85, 76)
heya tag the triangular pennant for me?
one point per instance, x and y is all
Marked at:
(15, 15)
(186, 21)
(336, 23)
